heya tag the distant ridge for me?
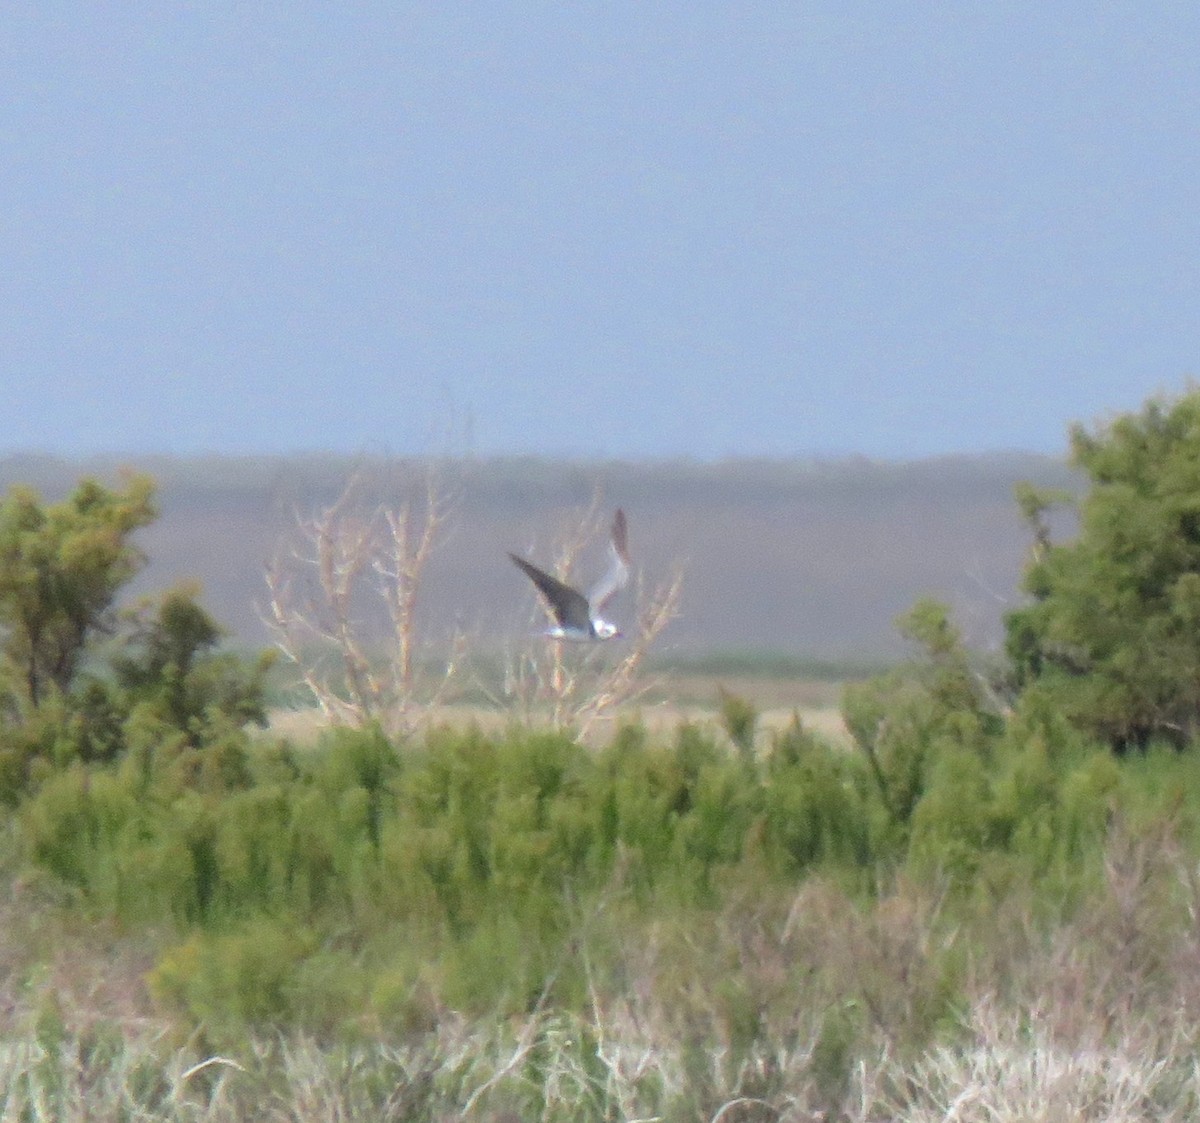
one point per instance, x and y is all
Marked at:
(808, 556)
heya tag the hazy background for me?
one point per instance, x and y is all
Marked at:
(620, 230)
(814, 559)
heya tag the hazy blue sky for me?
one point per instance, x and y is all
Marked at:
(625, 228)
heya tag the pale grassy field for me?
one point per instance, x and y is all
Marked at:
(693, 699)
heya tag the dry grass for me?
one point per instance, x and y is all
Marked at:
(554, 1067)
(305, 726)
(749, 1019)
(1013, 1070)
(693, 699)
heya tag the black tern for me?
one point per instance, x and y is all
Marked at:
(578, 617)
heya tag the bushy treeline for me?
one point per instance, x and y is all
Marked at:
(651, 927)
(363, 883)
(361, 880)
(1109, 636)
(83, 681)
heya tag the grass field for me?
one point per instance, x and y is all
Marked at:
(685, 695)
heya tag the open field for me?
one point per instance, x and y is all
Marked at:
(676, 698)
(306, 726)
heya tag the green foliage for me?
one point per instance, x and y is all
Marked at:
(364, 889)
(1034, 503)
(368, 886)
(754, 918)
(487, 854)
(61, 567)
(159, 696)
(1111, 631)
(979, 800)
(903, 720)
(739, 718)
(464, 870)
(168, 663)
(245, 976)
(817, 805)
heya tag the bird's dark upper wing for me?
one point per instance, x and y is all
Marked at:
(570, 606)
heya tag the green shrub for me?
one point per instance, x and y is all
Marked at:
(246, 976)
(950, 825)
(76, 824)
(902, 720)
(362, 884)
(817, 805)
(740, 720)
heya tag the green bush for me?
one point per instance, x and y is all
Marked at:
(1110, 628)
(364, 884)
(818, 805)
(249, 975)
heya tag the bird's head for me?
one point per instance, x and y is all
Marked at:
(605, 630)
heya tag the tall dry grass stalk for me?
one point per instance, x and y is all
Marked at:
(1013, 1070)
(556, 1067)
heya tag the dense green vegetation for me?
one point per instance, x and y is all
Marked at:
(714, 906)
(1111, 634)
(720, 923)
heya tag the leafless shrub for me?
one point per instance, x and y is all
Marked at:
(577, 686)
(326, 593)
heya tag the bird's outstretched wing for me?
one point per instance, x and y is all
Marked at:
(570, 606)
(616, 577)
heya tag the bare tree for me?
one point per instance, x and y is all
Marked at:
(325, 593)
(578, 685)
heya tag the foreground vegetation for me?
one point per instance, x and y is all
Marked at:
(469, 925)
(558, 1068)
(986, 906)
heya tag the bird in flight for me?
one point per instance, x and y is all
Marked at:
(577, 616)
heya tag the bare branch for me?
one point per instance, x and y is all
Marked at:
(621, 684)
(352, 558)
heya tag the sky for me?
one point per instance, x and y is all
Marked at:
(623, 229)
